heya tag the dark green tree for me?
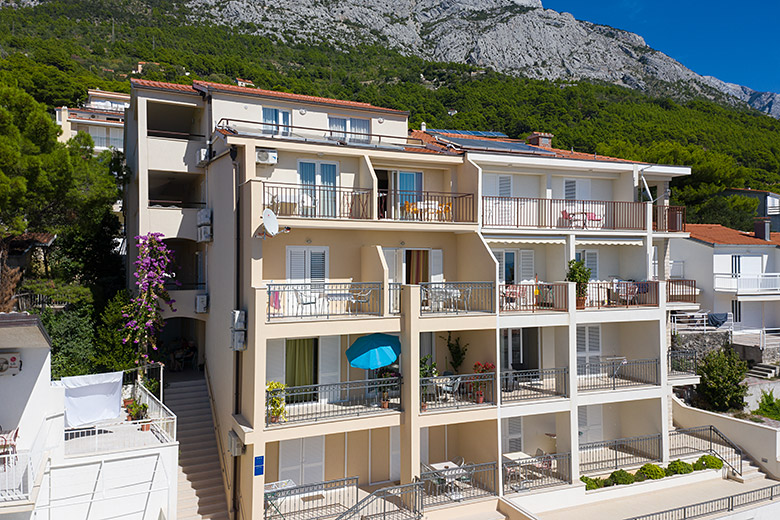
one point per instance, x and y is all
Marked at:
(722, 385)
(72, 334)
(110, 352)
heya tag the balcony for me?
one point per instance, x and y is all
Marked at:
(447, 483)
(457, 391)
(681, 291)
(748, 284)
(317, 202)
(426, 206)
(104, 142)
(173, 151)
(533, 297)
(683, 363)
(605, 456)
(617, 373)
(536, 213)
(456, 297)
(531, 473)
(621, 294)
(324, 300)
(313, 403)
(531, 385)
(669, 218)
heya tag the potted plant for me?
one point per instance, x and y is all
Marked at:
(482, 368)
(275, 391)
(138, 413)
(457, 351)
(427, 370)
(580, 275)
(386, 373)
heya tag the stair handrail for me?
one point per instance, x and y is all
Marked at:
(707, 432)
(733, 446)
(414, 488)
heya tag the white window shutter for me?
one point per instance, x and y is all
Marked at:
(330, 360)
(582, 343)
(592, 263)
(313, 460)
(583, 189)
(274, 360)
(291, 460)
(504, 185)
(527, 270)
(594, 343)
(569, 189)
(490, 185)
(390, 256)
(424, 445)
(500, 258)
(296, 265)
(395, 453)
(595, 423)
(437, 265)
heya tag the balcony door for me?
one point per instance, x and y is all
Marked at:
(591, 261)
(588, 349)
(590, 423)
(520, 349)
(512, 435)
(515, 266)
(498, 207)
(318, 181)
(305, 362)
(406, 194)
(302, 460)
(414, 266)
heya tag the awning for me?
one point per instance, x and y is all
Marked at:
(610, 242)
(374, 351)
(500, 241)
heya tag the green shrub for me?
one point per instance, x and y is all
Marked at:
(678, 467)
(639, 477)
(768, 406)
(651, 471)
(608, 482)
(707, 462)
(622, 477)
(721, 387)
(592, 483)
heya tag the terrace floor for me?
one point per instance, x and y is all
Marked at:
(114, 436)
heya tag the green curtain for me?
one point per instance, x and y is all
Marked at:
(299, 369)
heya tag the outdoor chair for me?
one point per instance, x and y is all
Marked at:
(567, 219)
(306, 299)
(591, 217)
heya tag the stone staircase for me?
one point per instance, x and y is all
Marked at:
(201, 495)
(763, 371)
(750, 472)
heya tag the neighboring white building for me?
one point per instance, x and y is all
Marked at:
(102, 117)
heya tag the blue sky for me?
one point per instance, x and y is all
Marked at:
(738, 42)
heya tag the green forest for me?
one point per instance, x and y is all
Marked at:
(50, 54)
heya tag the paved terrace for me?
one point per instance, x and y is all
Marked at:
(653, 501)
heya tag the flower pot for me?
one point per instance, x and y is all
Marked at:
(581, 302)
(480, 398)
(385, 404)
(423, 406)
(126, 402)
(274, 419)
(145, 427)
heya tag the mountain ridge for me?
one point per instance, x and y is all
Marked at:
(518, 37)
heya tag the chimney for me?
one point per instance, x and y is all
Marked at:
(761, 228)
(423, 126)
(540, 139)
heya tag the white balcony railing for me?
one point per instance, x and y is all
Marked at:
(748, 283)
(676, 269)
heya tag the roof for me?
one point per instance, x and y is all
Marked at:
(206, 86)
(750, 190)
(20, 244)
(715, 234)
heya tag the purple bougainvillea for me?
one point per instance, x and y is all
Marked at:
(144, 314)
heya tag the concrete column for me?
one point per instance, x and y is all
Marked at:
(410, 390)
(569, 433)
(569, 250)
(663, 368)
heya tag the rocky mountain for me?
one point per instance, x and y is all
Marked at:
(514, 36)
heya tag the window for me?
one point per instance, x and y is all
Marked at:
(276, 122)
(515, 266)
(319, 194)
(307, 264)
(576, 189)
(589, 423)
(736, 311)
(588, 348)
(353, 129)
(591, 260)
(498, 185)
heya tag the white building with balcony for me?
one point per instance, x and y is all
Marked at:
(102, 117)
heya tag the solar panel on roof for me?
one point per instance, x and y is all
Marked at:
(496, 146)
(475, 133)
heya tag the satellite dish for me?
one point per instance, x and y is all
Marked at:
(270, 223)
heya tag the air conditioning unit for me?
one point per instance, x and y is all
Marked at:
(201, 303)
(204, 234)
(10, 363)
(235, 446)
(202, 156)
(238, 320)
(238, 340)
(263, 156)
(204, 217)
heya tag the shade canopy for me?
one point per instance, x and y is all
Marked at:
(374, 351)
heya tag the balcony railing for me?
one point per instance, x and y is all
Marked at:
(426, 206)
(395, 297)
(619, 453)
(622, 294)
(317, 201)
(456, 297)
(521, 212)
(17, 477)
(676, 269)
(324, 300)
(697, 322)
(320, 500)
(296, 404)
(540, 472)
(169, 202)
(528, 385)
(681, 291)
(705, 439)
(403, 502)
(457, 391)
(711, 508)
(669, 218)
(617, 373)
(683, 363)
(759, 283)
(108, 142)
(457, 483)
(533, 297)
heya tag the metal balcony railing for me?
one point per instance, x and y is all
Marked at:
(545, 471)
(457, 391)
(295, 404)
(317, 201)
(705, 439)
(426, 206)
(17, 477)
(683, 363)
(617, 373)
(528, 385)
(619, 453)
(681, 291)
(710, 508)
(157, 202)
(456, 297)
(457, 483)
(669, 218)
(320, 500)
(697, 322)
(533, 297)
(522, 212)
(324, 300)
(622, 294)
(748, 283)
(403, 502)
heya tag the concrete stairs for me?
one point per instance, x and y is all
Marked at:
(750, 472)
(763, 371)
(201, 495)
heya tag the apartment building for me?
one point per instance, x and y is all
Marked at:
(102, 117)
(328, 223)
(768, 204)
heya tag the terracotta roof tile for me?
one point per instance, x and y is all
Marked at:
(722, 235)
(161, 85)
(19, 244)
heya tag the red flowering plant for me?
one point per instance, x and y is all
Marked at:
(482, 368)
(144, 313)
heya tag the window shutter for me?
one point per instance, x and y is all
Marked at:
(274, 360)
(594, 343)
(583, 189)
(424, 445)
(582, 345)
(330, 361)
(504, 185)
(437, 265)
(514, 434)
(318, 265)
(569, 189)
(395, 453)
(592, 263)
(582, 419)
(490, 187)
(527, 271)
(500, 258)
(392, 275)
(290, 460)
(296, 265)
(313, 460)
(595, 423)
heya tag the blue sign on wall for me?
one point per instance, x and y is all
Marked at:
(259, 465)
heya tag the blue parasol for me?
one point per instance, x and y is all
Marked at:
(374, 351)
